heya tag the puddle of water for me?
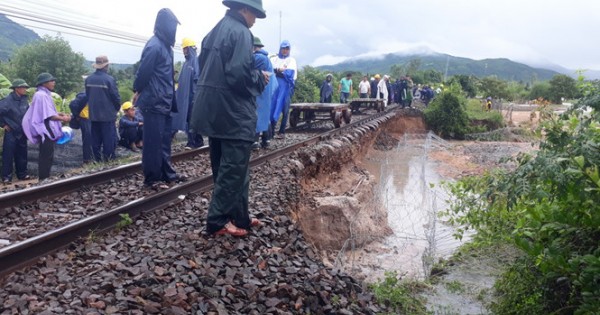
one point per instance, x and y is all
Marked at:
(419, 236)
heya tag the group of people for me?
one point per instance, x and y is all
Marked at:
(38, 122)
(400, 92)
(232, 93)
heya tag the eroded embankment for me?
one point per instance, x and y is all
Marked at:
(336, 201)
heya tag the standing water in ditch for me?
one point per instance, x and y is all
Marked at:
(409, 188)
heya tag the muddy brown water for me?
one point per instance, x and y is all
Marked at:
(409, 188)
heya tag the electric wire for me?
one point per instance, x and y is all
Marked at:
(73, 27)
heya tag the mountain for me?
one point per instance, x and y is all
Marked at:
(500, 67)
(12, 36)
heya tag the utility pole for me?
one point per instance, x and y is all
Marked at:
(446, 71)
(280, 26)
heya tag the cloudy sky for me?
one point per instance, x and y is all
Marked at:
(537, 32)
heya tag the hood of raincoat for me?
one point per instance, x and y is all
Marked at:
(165, 26)
(284, 43)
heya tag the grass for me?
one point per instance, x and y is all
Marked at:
(402, 296)
(455, 287)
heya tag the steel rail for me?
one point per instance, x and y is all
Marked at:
(65, 186)
(27, 252)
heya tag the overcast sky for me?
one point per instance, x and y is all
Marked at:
(325, 32)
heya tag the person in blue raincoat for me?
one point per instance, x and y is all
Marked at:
(286, 72)
(154, 88)
(185, 94)
(263, 101)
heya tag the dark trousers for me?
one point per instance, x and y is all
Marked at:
(103, 137)
(46, 158)
(231, 173)
(86, 140)
(131, 135)
(194, 140)
(156, 154)
(14, 151)
(344, 97)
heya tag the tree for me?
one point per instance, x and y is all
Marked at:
(305, 90)
(562, 86)
(540, 90)
(467, 82)
(53, 55)
(446, 115)
(494, 87)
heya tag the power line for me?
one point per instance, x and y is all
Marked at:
(71, 26)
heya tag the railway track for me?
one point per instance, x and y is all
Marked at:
(28, 251)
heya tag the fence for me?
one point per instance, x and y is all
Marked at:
(405, 189)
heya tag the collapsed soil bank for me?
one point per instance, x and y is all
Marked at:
(336, 198)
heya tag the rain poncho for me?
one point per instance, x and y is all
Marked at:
(286, 82)
(36, 123)
(185, 91)
(263, 101)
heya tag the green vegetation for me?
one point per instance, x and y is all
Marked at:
(454, 286)
(519, 290)
(401, 296)
(549, 208)
(53, 55)
(447, 115)
(125, 221)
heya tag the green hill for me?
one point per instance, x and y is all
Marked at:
(12, 36)
(501, 67)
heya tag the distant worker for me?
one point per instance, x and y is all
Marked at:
(488, 103)
(364, 88)
(286, 72)
(382, 90)
(42, 123)
(345, 88)
(374, 84)
(104, 102)
(14, 147)
(326, 89)
(427, 94)
(185, 95)
(225, 111)
(130, 128)
(263, 101)
(154, 87)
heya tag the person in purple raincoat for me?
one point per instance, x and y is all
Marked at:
(42, 123)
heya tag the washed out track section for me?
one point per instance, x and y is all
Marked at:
(164, 263)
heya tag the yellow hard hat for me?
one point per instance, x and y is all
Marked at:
(188, 42)
(377, 76)
(126, 106)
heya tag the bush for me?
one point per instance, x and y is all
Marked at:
(478, 116)
(519, 290)
(549, 207)
(446, 115)
(400, 296)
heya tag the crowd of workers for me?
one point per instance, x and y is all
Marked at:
(401, 92)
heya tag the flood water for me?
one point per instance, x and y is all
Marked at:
(409, 188)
